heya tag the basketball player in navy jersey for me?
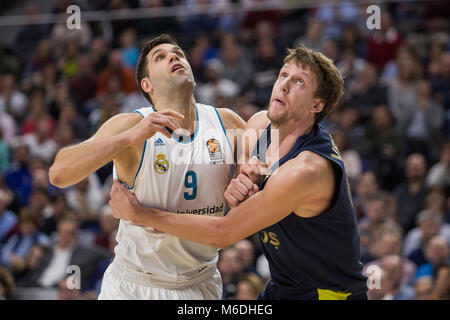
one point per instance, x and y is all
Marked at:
(303, 210)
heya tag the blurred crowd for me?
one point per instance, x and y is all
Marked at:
(392, 127)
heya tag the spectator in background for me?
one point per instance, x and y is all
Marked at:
(436, 202)
(8, 130)
(382, 145)
(37, 111)
(402, 93)
(58, 205)
(335, 16)
(421, 124)
(237, 67)
(67, 63)
(348, 119)
(87, 199)
(151, 27)
(442, 282)
(216, 85)
(267, 65)
(366, 92)
(4, 155)
(8, 219)
(199, 19)
(383, 44)
(391, 69)
(115, 68)
(436, 253)
(32, 261)
(314, 37)
(411, 194)
(249, 287)
(366, 187)
(352, 159)
(392, 265)
(67, 251)
(94, 285)
(40, 142)
(44, 55)
(18, 176)
(370, 226)
(83, 85)
(389, 242)
(108, 225)
(229, 266)
(440, 84)
(350, 66)
(99, 54)
(30, 34)
(65, 135)
(7, 284)
(424, 288)
(129, 48)
(252, 18)
(18, 246)
(12, 101)
(439, 173)
(70, 116)
(429, 224)
(9, 64)
(246, 251)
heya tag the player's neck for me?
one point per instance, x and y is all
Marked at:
(182, 104)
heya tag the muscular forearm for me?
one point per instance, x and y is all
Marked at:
(207, 230)
(74, 163)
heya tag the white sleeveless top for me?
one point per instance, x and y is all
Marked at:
(181, 177)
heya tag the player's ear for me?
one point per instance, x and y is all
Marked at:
(146, 85)
(318, 105)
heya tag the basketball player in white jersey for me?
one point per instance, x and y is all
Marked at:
(185, 173)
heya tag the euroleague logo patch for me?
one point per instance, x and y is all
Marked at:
(161, 164)
(214, 149)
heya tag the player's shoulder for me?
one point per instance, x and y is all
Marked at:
(230, 119)
(143, 112)
(258, 121)
(309, 164)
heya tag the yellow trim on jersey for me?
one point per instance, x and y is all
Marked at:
(325, 294)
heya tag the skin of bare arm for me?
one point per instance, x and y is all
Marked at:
(302, 185)
(121, 139)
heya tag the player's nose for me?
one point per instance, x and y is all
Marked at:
(173, 56)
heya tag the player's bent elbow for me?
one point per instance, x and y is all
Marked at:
(54, 175)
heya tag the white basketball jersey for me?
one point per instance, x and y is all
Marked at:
(182, 177)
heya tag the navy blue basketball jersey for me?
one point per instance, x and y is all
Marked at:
(321, 252)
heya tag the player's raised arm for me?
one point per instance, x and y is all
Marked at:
(116, 140)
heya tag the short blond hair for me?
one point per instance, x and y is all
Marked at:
(330, 84)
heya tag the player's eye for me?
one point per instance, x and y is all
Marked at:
(300, 81)
(159, 57)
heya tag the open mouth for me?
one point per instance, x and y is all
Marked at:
(177, 67)
(279, 101)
